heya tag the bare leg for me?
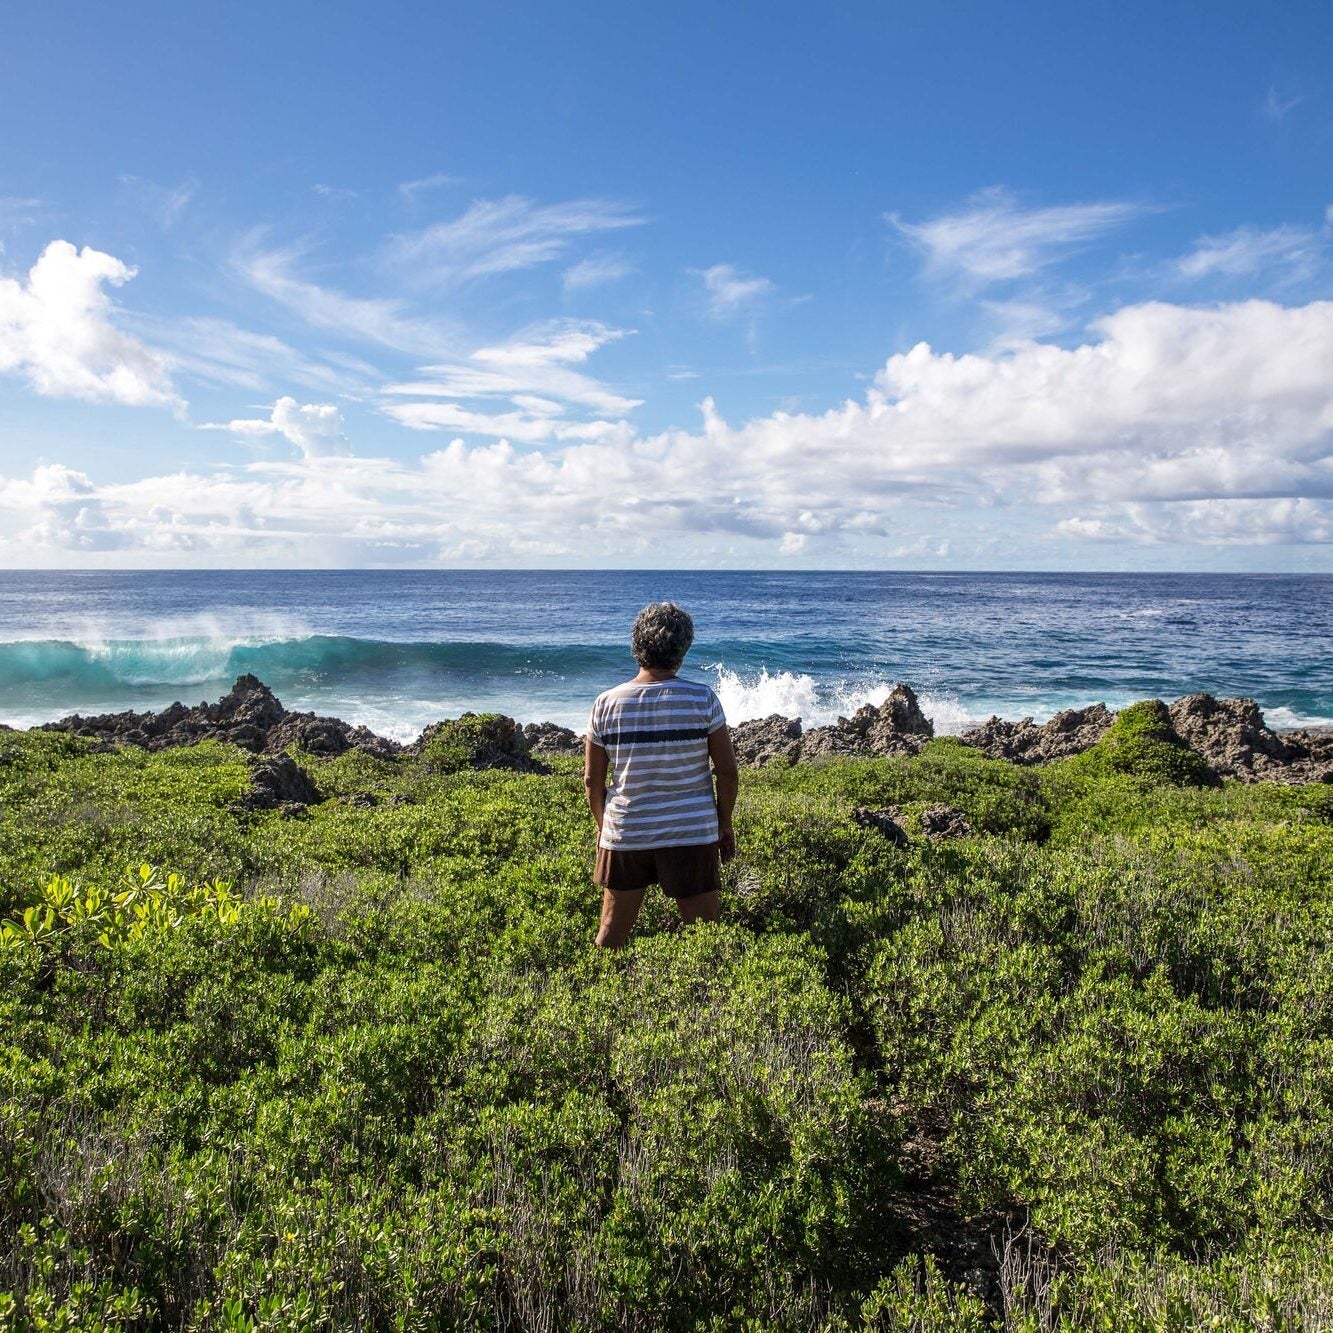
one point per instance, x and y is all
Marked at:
(701, 907)
(619, 913)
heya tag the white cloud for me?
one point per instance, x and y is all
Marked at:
(596, 272)
(729, 292)
(165, 203)
(217, 351)
(379, 320)
(537, 363)
(994, 239)
(57, 331)
(1171, 424)
(1247, 250)
(17, 210)
(496, 236)
(412, 190)
(316, 429)
(61, 511)
(1277, 105)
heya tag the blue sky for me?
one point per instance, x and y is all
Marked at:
(738, 285)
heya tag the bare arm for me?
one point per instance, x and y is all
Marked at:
(728, 781)
(595, 765)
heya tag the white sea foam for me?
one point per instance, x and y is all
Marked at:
(764, 694)
(1283, 719)
(818, 703)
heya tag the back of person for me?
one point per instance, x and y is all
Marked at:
(661, 787)
(661, 743)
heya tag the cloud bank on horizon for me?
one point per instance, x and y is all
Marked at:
(429, 370)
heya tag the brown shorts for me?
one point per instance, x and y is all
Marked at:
(682, 872)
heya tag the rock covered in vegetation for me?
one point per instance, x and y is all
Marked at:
(279, 783)
(768, 740)
(249, 715)
(1067, 733)
(549, 738)
(475, 740)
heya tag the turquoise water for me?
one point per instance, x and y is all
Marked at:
(398, 649)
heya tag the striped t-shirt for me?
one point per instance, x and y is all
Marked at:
(660, 792)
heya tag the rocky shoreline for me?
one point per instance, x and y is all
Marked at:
(1230, 735)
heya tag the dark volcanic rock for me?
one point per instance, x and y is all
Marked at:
(883, 821)
(279, 783)
(943, 821)
(1067, 733)
(897, 726)
(767, 740)
(249, 715)
(548, 738)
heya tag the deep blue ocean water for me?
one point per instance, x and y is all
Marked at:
(398, 649)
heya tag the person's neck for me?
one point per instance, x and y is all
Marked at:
(652, 675)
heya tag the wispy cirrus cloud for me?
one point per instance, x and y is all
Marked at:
(411, 191)
(539, 362)
(596, 272)
(995, 239)
(164, 203)
(1278, 104)
(1296, 251)
(730, 293)
(382, 320)
(498, 236)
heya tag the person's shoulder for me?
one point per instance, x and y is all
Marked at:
(624, 690)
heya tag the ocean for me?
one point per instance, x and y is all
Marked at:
(398, 649)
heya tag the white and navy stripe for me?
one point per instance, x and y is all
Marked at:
(661, 784)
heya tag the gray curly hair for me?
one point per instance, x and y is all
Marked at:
(661, 636)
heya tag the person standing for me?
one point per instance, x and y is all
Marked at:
(663, 742)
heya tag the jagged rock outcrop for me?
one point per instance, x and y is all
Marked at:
(1067, 733)
(249, 715)
(884, 822)
(773, 739)
(897, 726)
(279, 783)
(1232, 738)
(548, 738)
(943, 821)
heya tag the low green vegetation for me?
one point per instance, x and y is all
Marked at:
(362, 1068)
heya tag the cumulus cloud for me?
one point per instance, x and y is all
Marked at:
(995, 239)
(1170, 424)
(316, 429)
(729, 292)
(57, 331)
(61, 511)
(496, 236)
